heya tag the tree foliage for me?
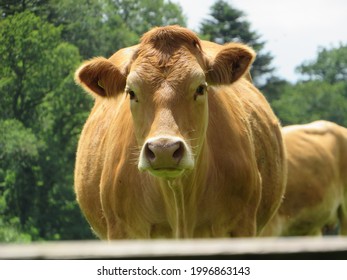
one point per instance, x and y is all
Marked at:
(322, 94)
(90, 26)
(100, 27)
(40, 125)
(20, 150)
(27, 70)
(330, 66)
(153, 13)
(313, 100)
(11, 7)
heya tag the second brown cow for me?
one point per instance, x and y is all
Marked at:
(316, 196)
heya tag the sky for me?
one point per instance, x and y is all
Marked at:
(293, 30)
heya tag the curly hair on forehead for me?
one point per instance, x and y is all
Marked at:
(170, 37)
(164, 42)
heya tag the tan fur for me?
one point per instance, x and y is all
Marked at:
(239, 172)
(316, 194)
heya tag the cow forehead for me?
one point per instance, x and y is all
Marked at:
(181, 69)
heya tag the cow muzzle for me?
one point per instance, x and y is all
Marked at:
(166, 157)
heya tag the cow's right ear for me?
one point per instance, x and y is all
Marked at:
(230, 63)
(100, 76)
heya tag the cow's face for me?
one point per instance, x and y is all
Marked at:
(166, 81)
(170, 112)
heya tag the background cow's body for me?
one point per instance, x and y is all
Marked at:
(316, 193)
(234, 188)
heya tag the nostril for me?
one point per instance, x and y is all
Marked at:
(164, 153)
(178, 154)
(150, 155)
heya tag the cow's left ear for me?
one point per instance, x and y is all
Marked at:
(229, 64)
(101, 77)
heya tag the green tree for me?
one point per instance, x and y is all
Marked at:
(140, 16)
(274, 88)
(41, 118)
(313, 100)
(11, 7)
(100, 27)
(27, 72)
(227, 24)
(19, 150)
(323, 93)
(329, 66)
(91, 26)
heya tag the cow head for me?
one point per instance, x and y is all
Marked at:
(166, 79)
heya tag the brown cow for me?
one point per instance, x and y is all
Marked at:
(316, 193)
(178, 144)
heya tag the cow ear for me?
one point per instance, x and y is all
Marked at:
(230, 63)
(100, 76)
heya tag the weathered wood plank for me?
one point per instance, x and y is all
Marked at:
(243, 248)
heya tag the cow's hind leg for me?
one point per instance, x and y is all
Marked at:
(331, 229)
(342, 212)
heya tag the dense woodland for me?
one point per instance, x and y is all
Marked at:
(42, 42)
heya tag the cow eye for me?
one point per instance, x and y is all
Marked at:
(131, 94)
(200, 90)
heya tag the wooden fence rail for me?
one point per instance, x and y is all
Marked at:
(238, 248)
